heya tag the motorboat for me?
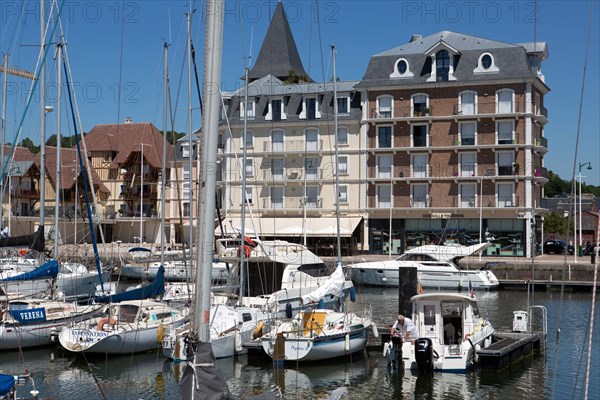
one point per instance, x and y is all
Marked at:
(230, 329)
(32, 322)
(127, 327)
(437, 268)
(319, 334)
(451, 331)
(278, 274)
(175, 270)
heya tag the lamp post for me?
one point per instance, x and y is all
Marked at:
(589, 166)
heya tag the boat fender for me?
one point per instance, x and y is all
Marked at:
(386, 348)
(103, 321)
(321, 305)
(160, 333)
(347, 342)
(375, 330)
(486, 343)
(288, 310)
(258, 330)
(23, 252)
(352, 294)
(247, 251)
(238, 341)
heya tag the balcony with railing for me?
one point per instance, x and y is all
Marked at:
(291, 203)
(420, 201)
(26, 193)
(293, 146)
(507, 201)
(487, 108)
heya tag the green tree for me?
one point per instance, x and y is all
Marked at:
(172, 136)
(28, 143)
(555, 223)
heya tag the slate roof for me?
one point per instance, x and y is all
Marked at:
(511, 60)
(20, 153)
(278, 54)
(126, 139)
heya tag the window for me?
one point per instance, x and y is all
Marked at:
(401, 69)
(486, 64)
(384, 106)
(418, 195)
(442, 61)
(249, 139)
(468, 163)
(384, 196)
(467, 195)
(249, 167)
(342, 103)
(106, 156)
(419, 135)
(277, 140)
(504, 101)
(250, 109)
(505, 131)
(312, 167)
(312, 139)
(467, 103)
(505, 194)
(419, 102)
(505, 162)
(343, 165)
(419, 165)
(312, 197)
(384, 137)
(276, 108)
(186, 209)
(402, 66)
(310, 109)
(467, 133)
(343, 194)
(343, 136)
(384, 166)
(185, 150)
(277, 197)
(277, 169)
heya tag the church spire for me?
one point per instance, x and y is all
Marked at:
(278, 55)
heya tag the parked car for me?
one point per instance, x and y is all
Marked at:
(557, 247)
(589, 248)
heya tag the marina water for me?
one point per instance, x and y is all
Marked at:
(59, 375)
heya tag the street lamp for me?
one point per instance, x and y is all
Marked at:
(589, 167)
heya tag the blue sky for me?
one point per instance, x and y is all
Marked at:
(104, 51)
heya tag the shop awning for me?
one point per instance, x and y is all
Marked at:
(286, 227)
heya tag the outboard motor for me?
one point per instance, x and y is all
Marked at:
(424, 354)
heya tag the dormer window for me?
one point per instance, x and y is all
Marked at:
(486, 63)
(343, 104)
(250, 109)
(442, 65)
(310, 109)
(275, 110)
(401, 69)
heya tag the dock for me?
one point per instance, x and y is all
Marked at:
(507, 348)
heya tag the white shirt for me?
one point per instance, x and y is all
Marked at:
(408, 327)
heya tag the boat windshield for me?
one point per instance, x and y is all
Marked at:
(314, 270)
(415, 257)
(127, 313)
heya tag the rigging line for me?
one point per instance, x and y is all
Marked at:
(241, 18)
(40, 63)
(85, 183)
(197, 79)
(592, 311)
(122, 39)
(574, 186)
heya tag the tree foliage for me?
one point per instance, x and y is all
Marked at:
(557, 186)
(28, 143)
(173, 136)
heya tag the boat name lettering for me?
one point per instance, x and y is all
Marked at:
(89, 333)
(300, 348)
(34, 314)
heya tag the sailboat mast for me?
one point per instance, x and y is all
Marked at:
(43, 120)
(244, 158)
(337, 175)
(213, 48)
(58, 146)
(164, 158)
(190, 141)
(4, 87)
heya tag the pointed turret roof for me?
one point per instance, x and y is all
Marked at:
(278, 55)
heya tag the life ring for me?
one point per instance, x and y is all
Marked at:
(258, 330)
(103, 321)
(247, 251)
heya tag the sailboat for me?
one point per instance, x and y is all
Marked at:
(319, 334)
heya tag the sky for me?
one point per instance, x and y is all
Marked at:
(119, 43)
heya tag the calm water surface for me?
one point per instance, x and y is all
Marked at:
(59, 375)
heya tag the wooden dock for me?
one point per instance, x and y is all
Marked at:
(508, 347)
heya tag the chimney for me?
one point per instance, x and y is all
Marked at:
(128, 120)
(415, 37)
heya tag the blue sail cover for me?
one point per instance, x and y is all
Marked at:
(154, 289)
(7, 382)
(47, 270)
